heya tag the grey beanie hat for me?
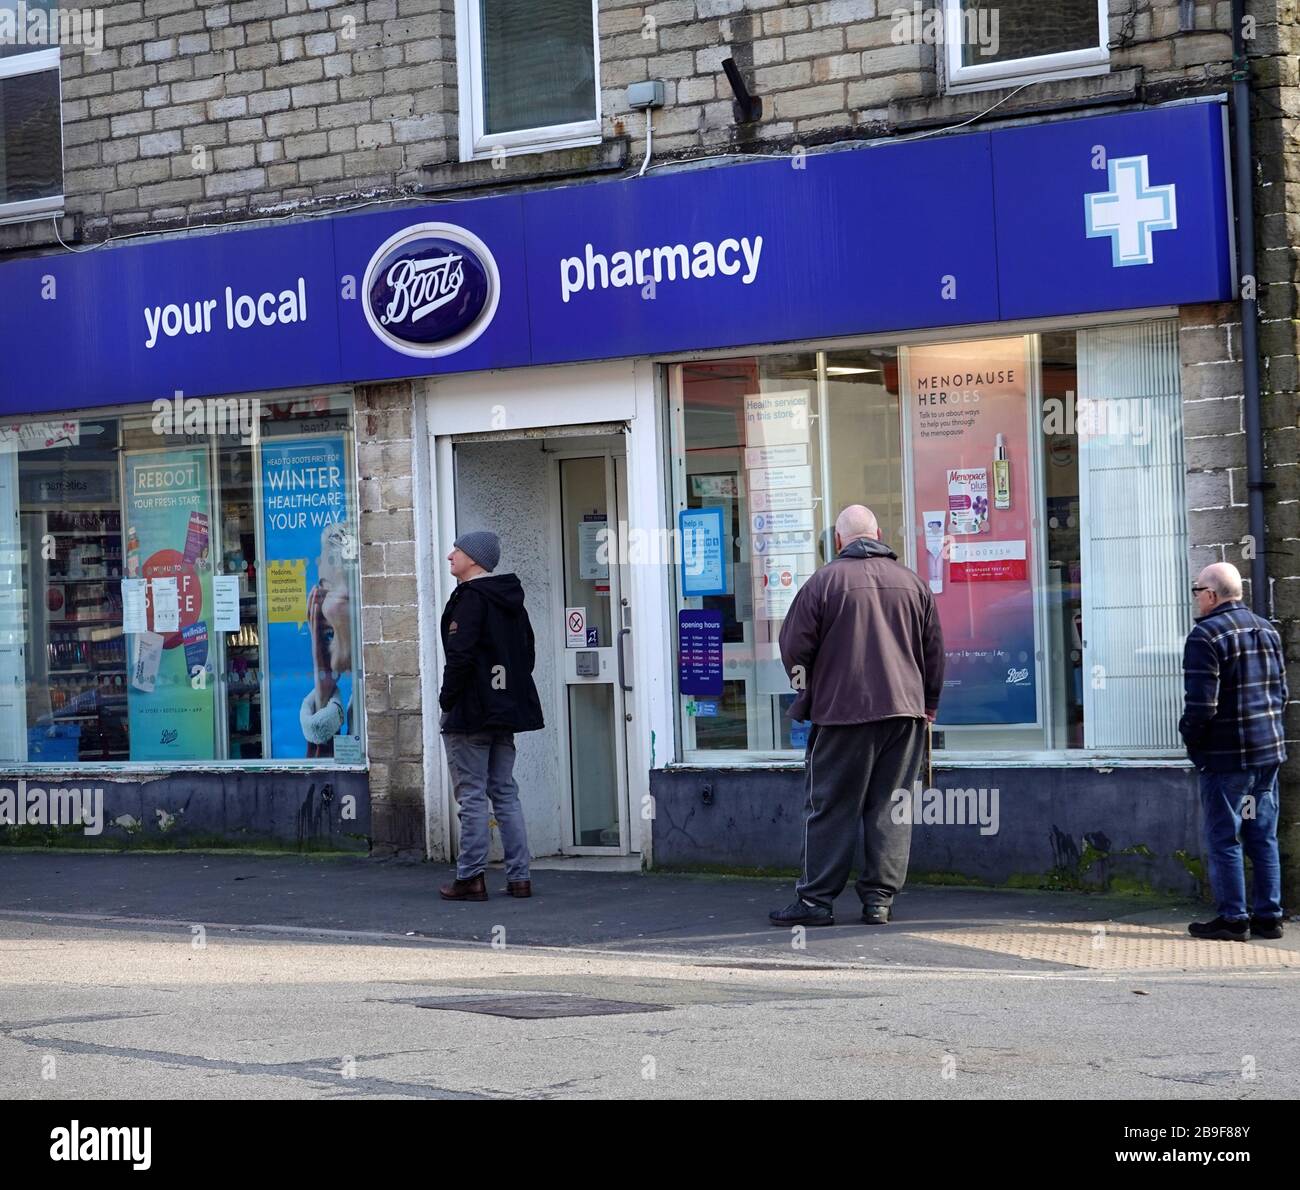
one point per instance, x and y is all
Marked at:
(482, 545)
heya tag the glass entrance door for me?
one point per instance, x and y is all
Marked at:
(596, 650)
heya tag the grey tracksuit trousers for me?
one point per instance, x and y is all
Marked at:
(850, 773)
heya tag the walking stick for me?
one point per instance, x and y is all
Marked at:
(929, 753)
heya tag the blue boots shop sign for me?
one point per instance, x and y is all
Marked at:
(958, 230)
(431, 289)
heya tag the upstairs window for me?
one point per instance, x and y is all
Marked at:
(528, 71)
(1007, 42)
(31, 128)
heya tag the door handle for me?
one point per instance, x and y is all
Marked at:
(622, 632)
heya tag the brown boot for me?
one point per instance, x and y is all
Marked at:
(519, 888)
(473, 889)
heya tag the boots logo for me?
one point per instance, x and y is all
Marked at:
(431, 289)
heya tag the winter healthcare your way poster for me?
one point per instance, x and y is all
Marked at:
(309, 589)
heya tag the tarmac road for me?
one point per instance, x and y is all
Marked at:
(196, 976)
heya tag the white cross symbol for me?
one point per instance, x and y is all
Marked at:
(1130, 212)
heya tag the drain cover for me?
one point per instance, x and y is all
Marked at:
(536, 1008)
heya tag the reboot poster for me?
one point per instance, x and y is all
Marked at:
(167, 602)
(308, 587)
(973, 523)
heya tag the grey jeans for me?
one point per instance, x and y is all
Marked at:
(482, 767)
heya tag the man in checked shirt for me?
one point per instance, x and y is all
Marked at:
(1235, 691)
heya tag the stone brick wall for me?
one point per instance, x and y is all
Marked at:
(842, 68)
(390, 617)
(199, 108)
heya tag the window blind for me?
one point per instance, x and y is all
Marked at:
(1134, 534)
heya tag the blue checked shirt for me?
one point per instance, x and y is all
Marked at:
(1235, 690)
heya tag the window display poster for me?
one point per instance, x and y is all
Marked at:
(170, 695)
(781, 499)
(970, 471)
(309, 588)
(777, 579)
(593, 562)
(776, 419)
(225, 601)
(703, 551)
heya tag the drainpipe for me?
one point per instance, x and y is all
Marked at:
(1244, 198)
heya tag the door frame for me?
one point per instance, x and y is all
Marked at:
(619, 584)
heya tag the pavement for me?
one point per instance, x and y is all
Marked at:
(703, 916)
(187, 975)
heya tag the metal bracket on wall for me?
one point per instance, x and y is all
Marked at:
(748, 108)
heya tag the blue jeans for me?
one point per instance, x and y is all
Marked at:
(1231, 821)
(482, 767)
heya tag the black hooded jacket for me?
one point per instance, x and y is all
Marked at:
(487, 684)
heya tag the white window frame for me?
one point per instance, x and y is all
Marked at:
(35, 62)
(476, 144)
(1038, 68)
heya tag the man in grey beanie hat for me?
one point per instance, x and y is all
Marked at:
(482, 546)
(487, 695)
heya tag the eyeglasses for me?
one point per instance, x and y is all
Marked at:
(1198, 590)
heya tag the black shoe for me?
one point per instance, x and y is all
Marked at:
(802, 913)
(1221, 929)
(1266, 927)
(877, 915)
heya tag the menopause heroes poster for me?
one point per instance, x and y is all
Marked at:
(308, 590)
(170, 692)
(973, 523)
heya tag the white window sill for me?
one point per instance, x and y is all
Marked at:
(33, 209)
(488, 153)
(1010, 81)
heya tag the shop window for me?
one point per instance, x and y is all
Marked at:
(528, 79)
(31, 128)
(1005, 42)
(179, 584)
(770, 442)
(1035, 481)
